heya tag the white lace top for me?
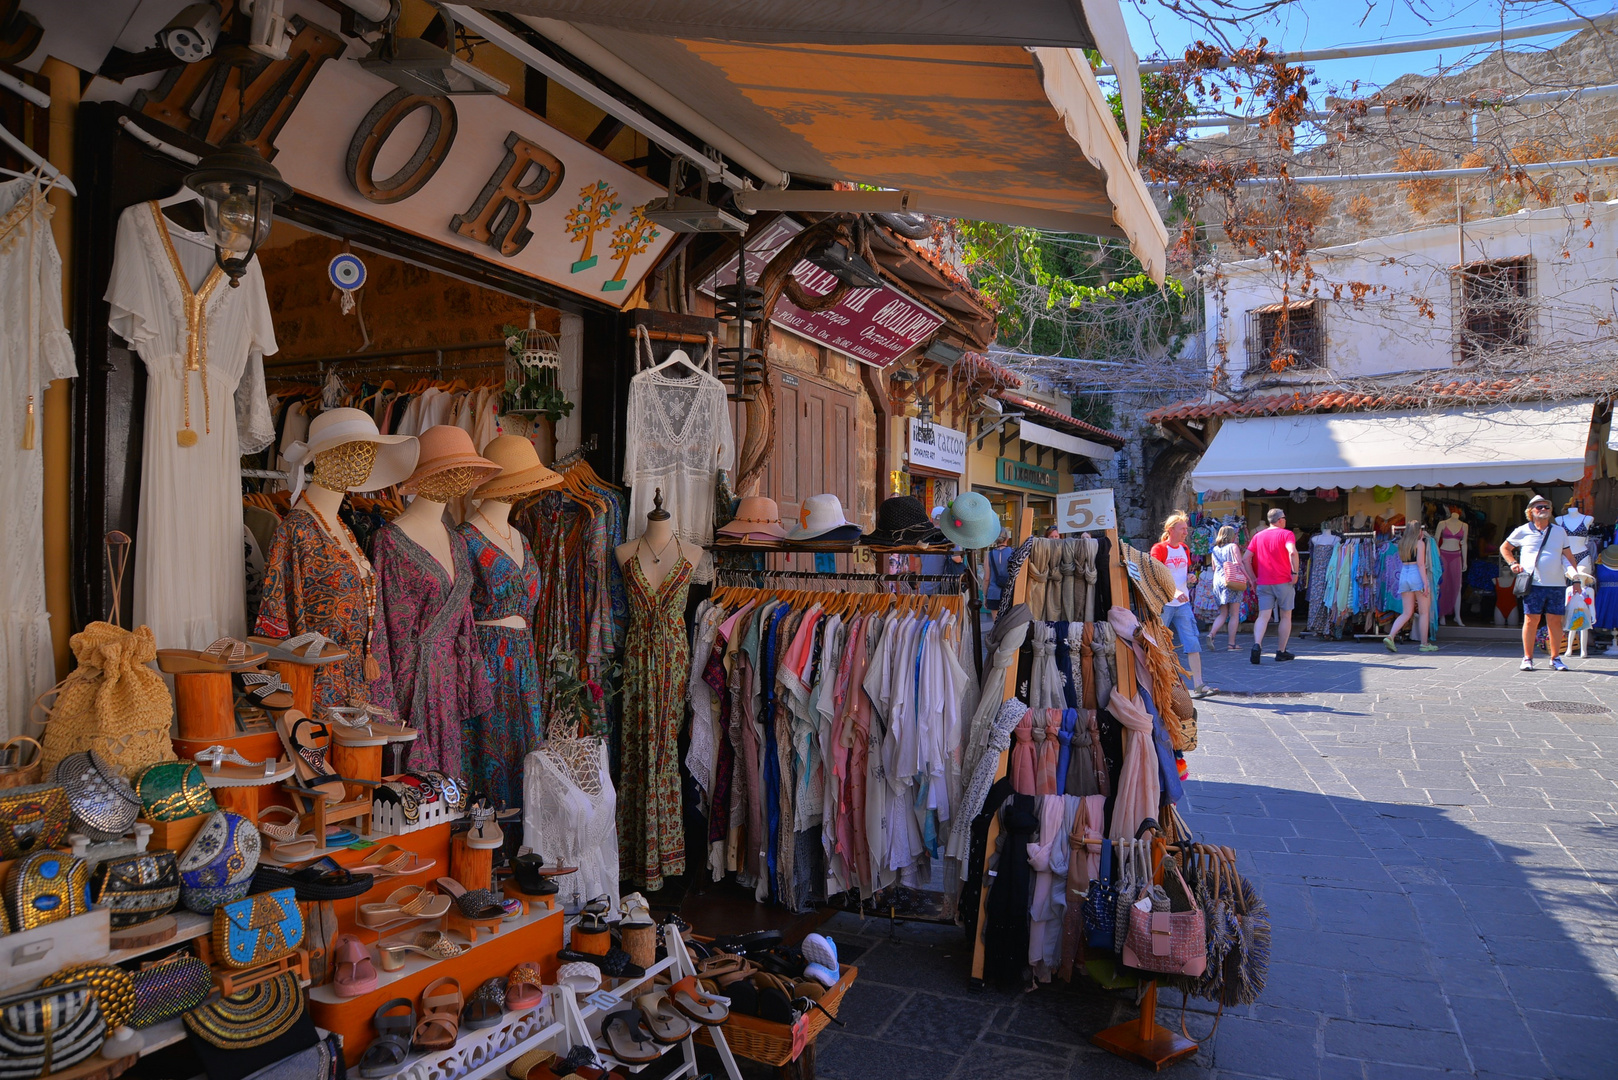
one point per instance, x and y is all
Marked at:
(34, 349)
(679, 437)
(567, 826)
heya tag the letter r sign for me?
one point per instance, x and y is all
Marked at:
(528, 174)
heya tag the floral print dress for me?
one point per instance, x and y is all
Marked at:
(651, 823)
(424, 640)
(497, 741)
(310, 583)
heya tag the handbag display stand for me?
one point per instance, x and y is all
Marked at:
(1143, 1041)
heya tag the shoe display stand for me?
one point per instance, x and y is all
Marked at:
(205, 706)
(301, 677)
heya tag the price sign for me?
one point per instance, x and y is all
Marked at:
(1086, 511)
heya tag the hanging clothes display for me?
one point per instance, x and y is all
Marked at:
(677, 437)
(34, 349)
(203, 344)
(570, 817)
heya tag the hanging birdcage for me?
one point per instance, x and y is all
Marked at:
(533, 367)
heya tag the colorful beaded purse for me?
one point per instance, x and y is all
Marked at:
(252, 1017)
(31, 818)
(172, 790)
(137, 888)
(169, 988)
(49, 1030)
(104, 804)
(257, 930)
(218, 865)
(46, 887)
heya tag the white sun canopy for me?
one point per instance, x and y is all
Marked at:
(1529, 443)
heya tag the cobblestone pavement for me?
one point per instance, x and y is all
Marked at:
(1440, 863)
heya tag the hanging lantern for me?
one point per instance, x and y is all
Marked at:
(239, 191)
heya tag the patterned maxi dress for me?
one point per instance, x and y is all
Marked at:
(651, 826)
(497, 741)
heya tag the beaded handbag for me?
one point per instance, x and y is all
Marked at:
(252, 1017)
(31, 818)
(46, 887)
(104, 804)
(218, 865)
(137, 888)
(257, 930)
(169, 988)
(113, 986)
(1101, 904)
(172, 790)
(49, 1030)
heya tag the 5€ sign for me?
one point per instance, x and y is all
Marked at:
(1086, 511)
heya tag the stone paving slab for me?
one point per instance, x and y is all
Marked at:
(1440, 863)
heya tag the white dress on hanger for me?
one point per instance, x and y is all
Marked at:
(189, 575)
(567, 826)
(34, 349)
(677, 437)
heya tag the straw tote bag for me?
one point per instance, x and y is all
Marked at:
(114, 702)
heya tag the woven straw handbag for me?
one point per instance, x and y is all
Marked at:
(113, 702)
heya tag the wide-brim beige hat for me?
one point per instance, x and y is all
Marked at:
(396, 455)
(521, 471)
(445, 447)
(1154, 583)
(755, 515)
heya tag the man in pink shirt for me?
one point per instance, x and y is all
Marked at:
(1271, 561)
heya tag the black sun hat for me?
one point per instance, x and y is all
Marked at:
(901, 521)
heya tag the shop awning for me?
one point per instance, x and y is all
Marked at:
(1528, 443)
(981, 112)
(1039, 435)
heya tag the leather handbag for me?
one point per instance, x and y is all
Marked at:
(172, 790)
(48, 1030)
(169, 988)
(137, 888)
(257, 930)
(104, 804)
(46, 887)
(32, 818)
(1100, 904)
(1170, 942)
(218, 865)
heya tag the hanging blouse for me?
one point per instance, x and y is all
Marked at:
(34, 349)
(203, 345)
(677, 438)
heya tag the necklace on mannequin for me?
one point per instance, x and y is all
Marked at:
(506, 536)
(657, 556)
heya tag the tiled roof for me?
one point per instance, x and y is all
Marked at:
(1072, 424)
(1469, 392)
(981, 367)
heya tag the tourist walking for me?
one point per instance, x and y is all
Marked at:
(1271, 562)
(1415, 588)
(1172, 552)
(1226, 554)
(1548, 544)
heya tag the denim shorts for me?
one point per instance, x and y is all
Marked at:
(1544, 600)
(1410, 578)
(1283, 597)
(1181, 619)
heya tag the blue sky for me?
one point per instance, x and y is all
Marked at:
(1315, 24)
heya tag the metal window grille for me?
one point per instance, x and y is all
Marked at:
(1494, 307)
(1286, 337)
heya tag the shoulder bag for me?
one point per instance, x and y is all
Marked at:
(1100, 904)
(1235, 576)
(1526, 578)
(48, 1030)
(1171, 942)
(258, 929)
(137, 888)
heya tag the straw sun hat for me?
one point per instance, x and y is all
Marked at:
(521, 471)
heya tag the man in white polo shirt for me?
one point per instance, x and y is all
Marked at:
(1547, 544)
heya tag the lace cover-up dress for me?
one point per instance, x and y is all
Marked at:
(651, 826)
(498, 740)
(424, 640)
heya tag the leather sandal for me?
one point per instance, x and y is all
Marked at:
(286, 843)
(391, 860)
(440, 1024)
(666, 1023)
(433, 944)
(688, 997)
(389, 1050)
(307, 743)
(224, 655)
(404, 905)
(629, 1039)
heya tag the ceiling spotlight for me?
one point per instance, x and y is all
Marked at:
(944, 351)
(684, 214)
(421, 67)
(845, 266)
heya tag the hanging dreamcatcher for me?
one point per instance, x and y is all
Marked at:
(533, 368)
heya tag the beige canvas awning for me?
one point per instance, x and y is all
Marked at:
(1012, 128)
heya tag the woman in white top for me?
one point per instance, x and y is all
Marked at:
(1225, 552)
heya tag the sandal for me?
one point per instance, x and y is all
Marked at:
(480, 904)
(614, 962)
(265, 772)
(688, 997)
(486, 1005)
(391, 860)
(629, 1039)
(353, 975)
(306, 648)
(435, 945)
(404, 905)
(440, 1024)
(299, 735)
(286, 843)
(725, 968)
(636, 911)
(325, 879)
(267, 688)
(388, 1051)
(485, 835)
(666, 1023)
(525, 987)
(365, 722)
(224, 655)
(528, 871)
(580, 977)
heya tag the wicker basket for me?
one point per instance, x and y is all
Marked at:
(778, 1044)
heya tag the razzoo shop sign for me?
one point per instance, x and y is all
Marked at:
(475, 172)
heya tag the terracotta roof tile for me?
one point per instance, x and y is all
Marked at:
(1045, 412)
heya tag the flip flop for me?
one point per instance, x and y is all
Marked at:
(404, 905)
(364, 722)
(353, 975)
(666, 1023)
(389, 1050)
(525, 987)
(433, 944)
(391, 860)
(629, 1039)
(307, 648)
(440, 1022)
(475, 903)
(224, 655)
(687, 996)
(486, 1006)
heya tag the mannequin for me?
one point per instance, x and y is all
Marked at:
(492, 519)
(1453, 534)
(1506, 606)
(1576, 523)
(653, 546)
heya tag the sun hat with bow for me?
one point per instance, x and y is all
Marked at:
(755, 516)
(969, 521)
(901, 520)
(819, 517)
(521, 471)
(445, 447)
(396, 455)
(1609, 557)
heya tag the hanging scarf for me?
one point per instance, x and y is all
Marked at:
(1047, 753)
(1139, 787)
(1039, 575)
(1023, 769)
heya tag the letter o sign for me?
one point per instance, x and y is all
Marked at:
(373, 133)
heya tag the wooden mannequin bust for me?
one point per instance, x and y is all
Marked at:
(423, 519)
(655, 546)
